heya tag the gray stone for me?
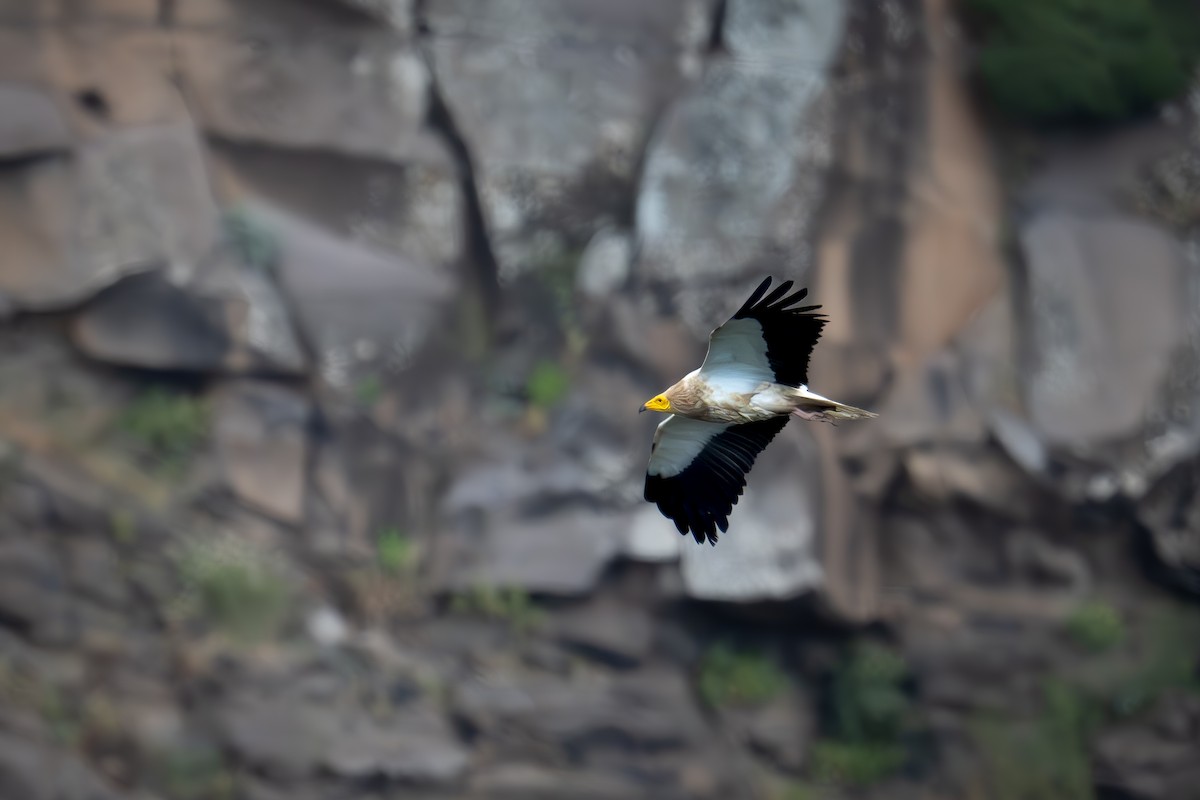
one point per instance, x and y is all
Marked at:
(294, 733)
(1171, 512)
(554, 100)
(1112, 380)
(78, 11)
(145, 320)
(261, 435)
(413, 207)
(651, 538)
(618, 634)
(537, 782)
(605, 264)
(416, 747)
(373, 312)
(396, 13)
(1148, 759)
(723, 183)
(30, 122)
(559, 553)
(781, 730)
(770, 550)
(126, 201)
(643, 710)
(33, 592)
(358, 92)
(95, 572)
(1102, 333)
(32, 772)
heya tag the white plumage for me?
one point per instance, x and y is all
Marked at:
(753, 379)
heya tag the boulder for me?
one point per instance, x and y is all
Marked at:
(728, 182)
(770, 551)
(261, 435)
(356, 91)
(34, 596)
(1170, 511)
(127, 201)
(31, 123)
(1112, 375)
(563, 552)
(363, 310)
(34, 772)
(554, 101)
(613, 633)
(1153, 759)
(413, 207)
(289, 734)
(652, 710)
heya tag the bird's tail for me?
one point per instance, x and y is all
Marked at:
(814, 406)
(842, 411)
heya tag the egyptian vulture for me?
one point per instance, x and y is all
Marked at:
(753, 380)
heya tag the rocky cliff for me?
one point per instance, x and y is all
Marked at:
(323, 323)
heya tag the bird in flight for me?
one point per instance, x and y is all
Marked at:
(753, 380)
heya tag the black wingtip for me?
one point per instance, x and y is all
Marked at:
(756, 295)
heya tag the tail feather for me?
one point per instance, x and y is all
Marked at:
(814, 406)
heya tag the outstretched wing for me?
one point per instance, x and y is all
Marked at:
(767, 339)
(697, 470)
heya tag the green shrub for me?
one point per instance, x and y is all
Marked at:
(1096, 626)
(510, 604)
(194, 772)
(236, 587)
(1171, 661)
(396, 554)
(869, 703)
(869, 712)
(1046, 759)
(168, 427)
(855, 763)
(548, 384)
(1053, 61)
(739, 677)
(254, 242)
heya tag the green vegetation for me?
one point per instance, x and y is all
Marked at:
(1054, 61)
(121, 526)
(236, 587)
(1170, 662)
(395, 554)
(1096, 627)
(254, 242)
(870, 710)
(739, 677)
(547, 385)
(869, 703)
(368, 390)
(168, 427)
(855, 763)
(793, 790)
(194, 773)
(510, 604)
(1046, 759)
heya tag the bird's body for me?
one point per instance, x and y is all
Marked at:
(752, 381)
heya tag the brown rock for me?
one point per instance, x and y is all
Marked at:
(125, 202)
(358, 91)
(261, 436)
(413, 207)
(31, 123)
(373, 313)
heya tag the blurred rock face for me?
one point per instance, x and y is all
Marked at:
(322, 323)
